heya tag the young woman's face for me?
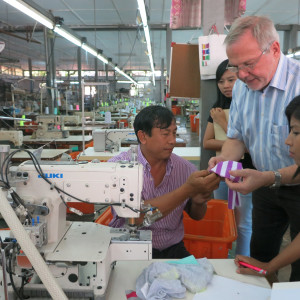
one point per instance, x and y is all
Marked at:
(226, 83)
(293, 140)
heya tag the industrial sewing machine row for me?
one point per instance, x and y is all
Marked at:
(110, 139)
(51, 127)
(79, 255)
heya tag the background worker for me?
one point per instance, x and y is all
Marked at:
(214, 138)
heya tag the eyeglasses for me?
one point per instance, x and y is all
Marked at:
(250, 66)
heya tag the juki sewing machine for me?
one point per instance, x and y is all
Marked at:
(80, 255)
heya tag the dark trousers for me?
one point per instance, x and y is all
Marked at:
(273, 211)
(175, 251)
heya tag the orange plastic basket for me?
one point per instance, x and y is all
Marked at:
(210, 237)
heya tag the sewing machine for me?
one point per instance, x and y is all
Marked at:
(110, 139)
(80, 255)
(13, 136)
(49, 126)
(71, 120)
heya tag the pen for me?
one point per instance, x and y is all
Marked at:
(259, 270)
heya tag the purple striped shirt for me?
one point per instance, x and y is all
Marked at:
(169, 230)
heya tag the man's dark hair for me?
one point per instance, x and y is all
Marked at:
(293, 110)
(155, 116)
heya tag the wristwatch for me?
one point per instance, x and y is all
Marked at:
(277, 181)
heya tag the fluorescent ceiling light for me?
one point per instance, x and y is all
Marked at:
(102, 58)
(124, 81)
(144, 82)
(65, 34)
(89, 49)
(48, 22)
(142, 9)
(94, 52)
(31, 12)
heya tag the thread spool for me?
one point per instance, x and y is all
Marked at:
(55, 110)
(46, 110)
(77, 107)
(22, 122)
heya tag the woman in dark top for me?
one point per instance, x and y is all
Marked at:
(214, 137)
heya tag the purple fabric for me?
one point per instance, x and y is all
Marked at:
(169, 230)
(222, 169)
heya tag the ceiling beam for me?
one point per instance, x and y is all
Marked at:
(20, 37)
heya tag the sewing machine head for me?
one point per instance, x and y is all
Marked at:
(110, 139)
(119, 184)
(50, 126)
(82, 253)
(12, 137)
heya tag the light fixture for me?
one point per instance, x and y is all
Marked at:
(89, 49)
(124, 74)
(31, 12)
(65, 34)
(42, 16)
(124, 81)
(102, 58)
(143, 14)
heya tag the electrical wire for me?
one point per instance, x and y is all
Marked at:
(52, 185)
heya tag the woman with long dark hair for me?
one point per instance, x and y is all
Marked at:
(214, 137)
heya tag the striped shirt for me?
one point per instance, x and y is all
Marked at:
(257, 118)
(169, 230)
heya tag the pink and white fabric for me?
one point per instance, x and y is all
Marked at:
(233, 10)
(185, 14)
(222, 169)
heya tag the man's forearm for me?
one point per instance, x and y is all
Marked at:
(196, 210)
(166, 203)
(233, 149)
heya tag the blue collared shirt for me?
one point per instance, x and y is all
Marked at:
(258, 119)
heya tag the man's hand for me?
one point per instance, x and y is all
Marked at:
(202, 182)
(251, 180)
(213, 161)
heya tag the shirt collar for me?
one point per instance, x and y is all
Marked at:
(146, 165)
(279, 79)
